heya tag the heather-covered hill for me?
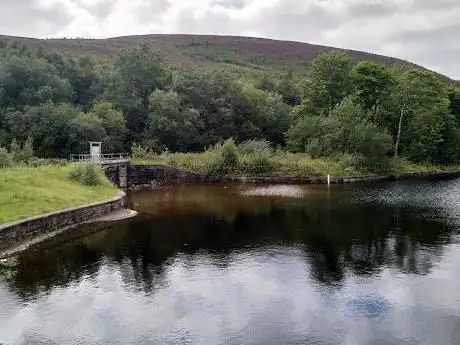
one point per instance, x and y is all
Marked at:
(188, 51)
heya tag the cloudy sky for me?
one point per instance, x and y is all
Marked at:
(423, 31)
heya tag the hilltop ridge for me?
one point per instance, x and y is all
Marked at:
(209, 51)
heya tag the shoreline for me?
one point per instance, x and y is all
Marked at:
(150, 176)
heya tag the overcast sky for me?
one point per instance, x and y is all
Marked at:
(423, 31)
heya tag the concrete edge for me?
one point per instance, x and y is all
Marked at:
(21, 235)
(120, 196)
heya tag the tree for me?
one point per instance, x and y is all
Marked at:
(328, 83)
(169, 125)
(347, 130)
(28, 80)
(114, 124)
(84, 128)
(48, 124)
(420, 97)
(454, 103)
(372, 83)
(136, 74)
(222, 109)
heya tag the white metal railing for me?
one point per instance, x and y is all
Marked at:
(101, 158)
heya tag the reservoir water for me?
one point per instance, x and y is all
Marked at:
(359, 264)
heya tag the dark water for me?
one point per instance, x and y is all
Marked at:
(241, 265)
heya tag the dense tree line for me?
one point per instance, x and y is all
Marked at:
(364, 109)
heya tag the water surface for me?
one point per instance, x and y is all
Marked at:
(369, 264)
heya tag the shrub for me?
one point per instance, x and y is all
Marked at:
(226, 161)
(254, 146)
(351, 161)
(140, 152)
(15, 151)
(5, 158)
(27, 152)
(258, 163)
(88, 174)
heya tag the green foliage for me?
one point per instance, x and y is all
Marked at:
(15, 151)
(84, 128)
(139, 152)
(88, 174)
(254, 146)
(372, 83)
(454, 103)
(169, 124)
(346, 131)
(227, 161)
(5, 158)
(114, 124)
(258, 163)
(16, 154)
(41, 162)
(335, 109)
(329, 82)
(27, 150)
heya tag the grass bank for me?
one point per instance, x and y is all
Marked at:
(281, 163)
(27, 192)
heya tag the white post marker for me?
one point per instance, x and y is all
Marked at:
(328, 180)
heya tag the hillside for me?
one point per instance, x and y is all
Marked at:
(188, 51)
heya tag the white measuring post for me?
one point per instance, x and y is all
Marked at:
(328, 180)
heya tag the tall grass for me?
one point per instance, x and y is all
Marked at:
(88, 174)
(250, 158)
(258, 158)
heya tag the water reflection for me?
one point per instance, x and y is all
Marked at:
(217, 264)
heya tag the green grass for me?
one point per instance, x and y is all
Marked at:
(288, 164)
(27, 192)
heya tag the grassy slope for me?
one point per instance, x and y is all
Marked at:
(205, 51)
(287, 164)
(27, 192)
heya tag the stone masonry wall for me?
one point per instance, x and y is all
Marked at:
(20, 232)
(147, 176)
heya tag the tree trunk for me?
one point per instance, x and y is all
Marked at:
(398, 137)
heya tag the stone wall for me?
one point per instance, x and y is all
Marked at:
(146, 176)
(38, 228)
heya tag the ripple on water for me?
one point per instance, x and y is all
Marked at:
(278, 191)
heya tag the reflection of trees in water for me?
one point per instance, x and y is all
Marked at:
(337, 239)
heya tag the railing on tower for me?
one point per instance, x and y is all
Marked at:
(101, 158)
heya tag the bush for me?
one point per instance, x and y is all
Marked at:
(27, 152)
(5, 158)
(140, 152)
(254, 146)
(15, 151)
(351, 161)
(89, 174)
(258, 163)
(257, 157)
(39, 162)
(347, 131)
(226, 161)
